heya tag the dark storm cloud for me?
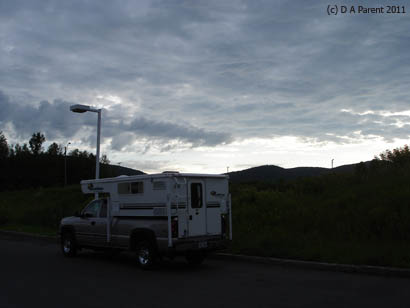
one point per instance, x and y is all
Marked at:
(51, 118)
(246, 69)
(56, 121)
(167, 130)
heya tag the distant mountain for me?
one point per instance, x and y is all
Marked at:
(115, 170)
(271, 173)
(266, 173)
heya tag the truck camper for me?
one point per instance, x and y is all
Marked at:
(156, 215)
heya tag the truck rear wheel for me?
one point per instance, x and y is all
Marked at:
(147, 256)
(68, 244)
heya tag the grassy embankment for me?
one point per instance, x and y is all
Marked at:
(39, 210)
(357, 218)
(361, 218)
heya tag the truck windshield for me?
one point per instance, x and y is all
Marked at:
(93, 208)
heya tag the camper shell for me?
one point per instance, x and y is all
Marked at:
(181, 212)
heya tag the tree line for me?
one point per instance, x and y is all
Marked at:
(31, 165)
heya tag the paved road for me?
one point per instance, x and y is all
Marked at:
(33, 273)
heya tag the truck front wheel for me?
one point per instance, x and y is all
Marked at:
(68, 244)
(146, 255)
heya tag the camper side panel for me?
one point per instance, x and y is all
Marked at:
(142, 197)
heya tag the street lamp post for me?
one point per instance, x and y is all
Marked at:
(65, 164)
(84, 108)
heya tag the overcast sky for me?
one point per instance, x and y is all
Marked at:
(201, 85)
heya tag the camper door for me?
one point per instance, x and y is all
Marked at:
(196, 208)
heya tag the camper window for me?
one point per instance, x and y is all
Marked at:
(137, 187)
(123, 188)
(131, 188)
(196, 195)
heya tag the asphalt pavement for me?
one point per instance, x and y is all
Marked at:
(34, 273)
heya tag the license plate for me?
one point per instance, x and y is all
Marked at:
(203, 244)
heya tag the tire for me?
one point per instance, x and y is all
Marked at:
(195, 258)
(68, 244)
(147, 256)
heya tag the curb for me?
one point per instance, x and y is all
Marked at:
(346, 268)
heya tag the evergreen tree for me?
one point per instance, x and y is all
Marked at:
(4, 147)
(54, 149)
(21, 150)
(36, 143)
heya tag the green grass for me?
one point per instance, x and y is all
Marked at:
(39, 210)
(342, 219)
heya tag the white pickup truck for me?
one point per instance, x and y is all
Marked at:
(155, 215)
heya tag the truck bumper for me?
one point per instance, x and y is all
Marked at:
(203, 243)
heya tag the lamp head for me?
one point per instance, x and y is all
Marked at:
(80, 108)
